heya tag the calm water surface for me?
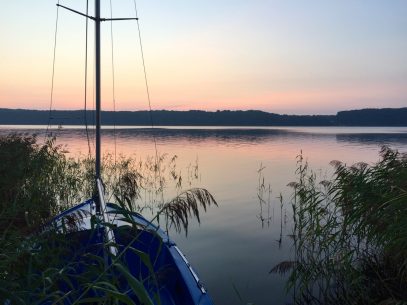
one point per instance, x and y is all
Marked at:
(231, 249)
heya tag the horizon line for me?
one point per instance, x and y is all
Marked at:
(209, 111)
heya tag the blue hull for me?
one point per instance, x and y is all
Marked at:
(174, 282)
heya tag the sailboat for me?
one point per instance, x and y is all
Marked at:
(151, 257)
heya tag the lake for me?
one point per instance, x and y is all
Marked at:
(232, 249)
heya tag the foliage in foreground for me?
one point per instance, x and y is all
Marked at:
(44, 267)
(350, 234)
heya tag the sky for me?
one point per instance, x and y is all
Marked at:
(282, 56)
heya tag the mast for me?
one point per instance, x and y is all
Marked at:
(98, 96)
(98, 86)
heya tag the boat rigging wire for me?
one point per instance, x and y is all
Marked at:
(53, 74)
(144, 68)
(47, 134)
(113, 82)
(86, 78)
(157, 162)
(94, 106)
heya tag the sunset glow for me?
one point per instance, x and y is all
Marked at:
(275, 56)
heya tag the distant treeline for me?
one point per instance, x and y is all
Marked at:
(363, 117)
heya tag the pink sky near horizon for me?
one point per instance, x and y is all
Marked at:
(266, 55)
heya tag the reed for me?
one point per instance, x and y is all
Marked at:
(264, 196)
(38, 265)
(350, 234)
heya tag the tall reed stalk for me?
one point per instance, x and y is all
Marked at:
(350, 234)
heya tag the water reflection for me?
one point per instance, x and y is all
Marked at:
(238, 243)
(253, 136)
(373, 138)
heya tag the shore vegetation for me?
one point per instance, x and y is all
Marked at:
(39, 265)
(350, 234)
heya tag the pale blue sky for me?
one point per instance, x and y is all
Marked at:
(281, 56)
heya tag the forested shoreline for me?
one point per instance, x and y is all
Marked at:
(362, 117)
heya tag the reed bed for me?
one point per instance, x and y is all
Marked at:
(37, 264)
(350, 234)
